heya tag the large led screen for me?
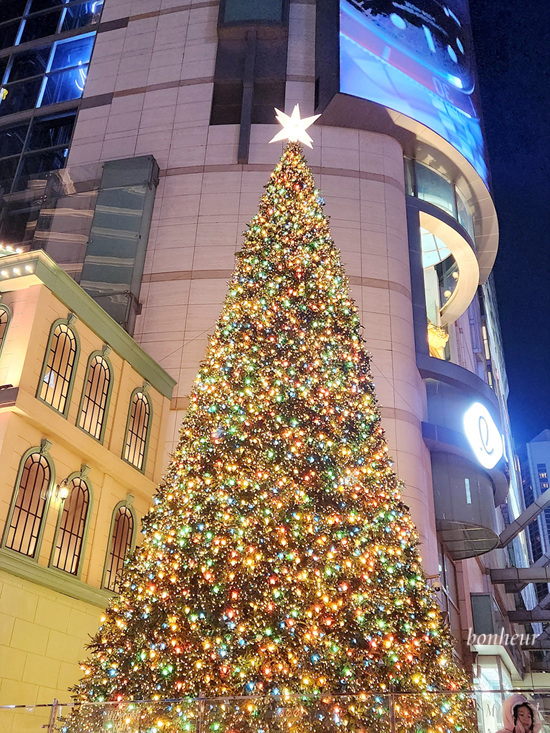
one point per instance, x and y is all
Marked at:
(415, 57)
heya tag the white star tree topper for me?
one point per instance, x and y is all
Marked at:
(294, 128)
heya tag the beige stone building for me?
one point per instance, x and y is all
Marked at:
(82, 412)
(134, 147)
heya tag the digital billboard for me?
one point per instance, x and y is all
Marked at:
(415, 57)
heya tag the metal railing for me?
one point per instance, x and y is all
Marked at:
(478, 710)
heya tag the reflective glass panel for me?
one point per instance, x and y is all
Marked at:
(3, 64)
(435, 189)
(37, 5)
(7, 172)
(8, 34)
(238, 11)
(80, 15)
(12, 140)
(464, 214)
(409, 177)
(17, 225)
(12, 9)
(29, 63)
(72, 53)
(38, 165)
(40, 26)
(64, 86)
(48, 132)
(22, 95)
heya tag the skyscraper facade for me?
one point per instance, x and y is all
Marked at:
(134, 147)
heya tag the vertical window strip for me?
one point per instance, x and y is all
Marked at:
(136, 437)
(4, 319)
(28, 513)
(70, 535)
(56, 380)
(121, 542)
(94, 404)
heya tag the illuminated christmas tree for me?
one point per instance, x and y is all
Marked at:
(278, 560)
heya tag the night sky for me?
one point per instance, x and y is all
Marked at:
(512, 41)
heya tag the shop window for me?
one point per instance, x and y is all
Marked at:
(58, 371)
(96, 395)
(137, 431)
(448, 598)
(4, 323)
(122, 537)
(30, 494)
(70, 534)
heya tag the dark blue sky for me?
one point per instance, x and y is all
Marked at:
(512, 41)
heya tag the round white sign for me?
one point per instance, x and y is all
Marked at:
(483, 435)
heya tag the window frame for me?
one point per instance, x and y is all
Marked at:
(138, 390)
(43, 520)
(7, 310)
(131, 548)
(94, 354)
(86, 481)
(37, 115)
(68, 323)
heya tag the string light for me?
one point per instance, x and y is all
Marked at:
(278, 558)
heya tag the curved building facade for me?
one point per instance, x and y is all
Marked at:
(165, 167)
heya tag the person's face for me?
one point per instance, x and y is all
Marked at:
(524, 716)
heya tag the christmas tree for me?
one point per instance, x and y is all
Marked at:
(278, 562)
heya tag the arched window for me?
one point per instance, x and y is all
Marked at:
(4, 322)
(70, 533)
(58, 370)
(31, 494)
(137, 431)
(96, 394)
(122, 537)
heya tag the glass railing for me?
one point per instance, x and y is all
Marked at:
(444, 712)
(427, 184)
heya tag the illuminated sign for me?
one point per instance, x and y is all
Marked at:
(415, 57)
(483, 435)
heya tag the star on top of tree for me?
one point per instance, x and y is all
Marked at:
(294, 128)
